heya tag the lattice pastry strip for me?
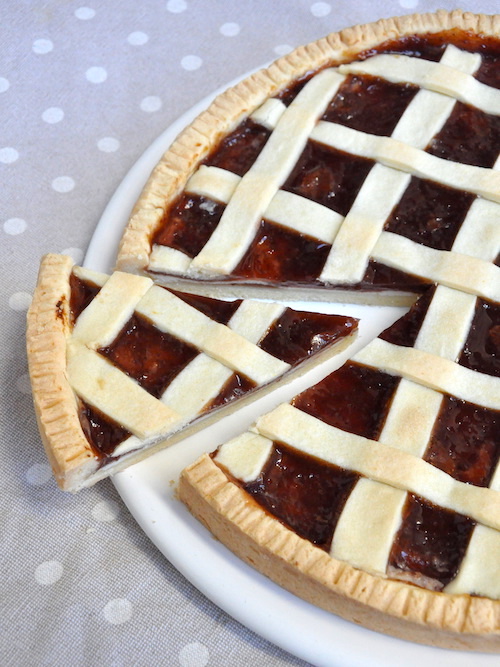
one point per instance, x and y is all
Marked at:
(484, 548)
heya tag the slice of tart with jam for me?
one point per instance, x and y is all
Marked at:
(121, 367)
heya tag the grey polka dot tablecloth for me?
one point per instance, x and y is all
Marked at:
(84, 90)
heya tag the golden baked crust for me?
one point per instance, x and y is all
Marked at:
(67, 449)
(449, 621)
(194, 143)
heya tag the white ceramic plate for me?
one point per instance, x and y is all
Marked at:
(148, 489)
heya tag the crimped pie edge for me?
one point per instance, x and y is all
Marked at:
(460, 622)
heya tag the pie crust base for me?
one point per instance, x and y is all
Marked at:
(392, 607)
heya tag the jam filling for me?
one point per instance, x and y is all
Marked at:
(149, 355)
(189, 224)
(482, 348)
(102, 433)
(354, 398)
(81, 294)
(404, 331)
(353, 104)
(465, 442)
(281, 254)
(428, 213)
(327, 176)
(295, 335)
(238, 151)
(237, 386)
(305, 494)
(220, 311)
(430, 544)
(469, 136)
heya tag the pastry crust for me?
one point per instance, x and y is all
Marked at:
(64, 364)
(179, 163)
(393, 607)
(48, 329)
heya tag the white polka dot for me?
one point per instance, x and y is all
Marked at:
(282, 49)
(151, 103)
(14, 226)
(106, 510)
(38, 474)
(108, 144)
(42, 46)
(96, 74)
(53, 115)
(49, 572)
(117, 611)
(191, 63)
(8, 155)
(176, 6)
(23, 384)
(84, 13)
(137, 38)
(408, 4)
(63, 184)
(20, 301)
(320, 9)
(75, 253)
(194, 655)
(4, 84)
(230, 29)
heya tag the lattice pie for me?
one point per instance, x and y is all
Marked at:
(362, 167)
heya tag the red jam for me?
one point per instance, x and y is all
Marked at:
(304, 493)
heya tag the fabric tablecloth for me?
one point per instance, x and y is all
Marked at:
(84, 90)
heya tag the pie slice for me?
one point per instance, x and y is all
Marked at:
(361, 167)
(121, 367)
(375, 494)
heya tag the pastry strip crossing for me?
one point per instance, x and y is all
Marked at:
(398, 155)
(432, 371)
(464, 272)
(384, 186)
(229, 241)
(171, 314)
(379, 462)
